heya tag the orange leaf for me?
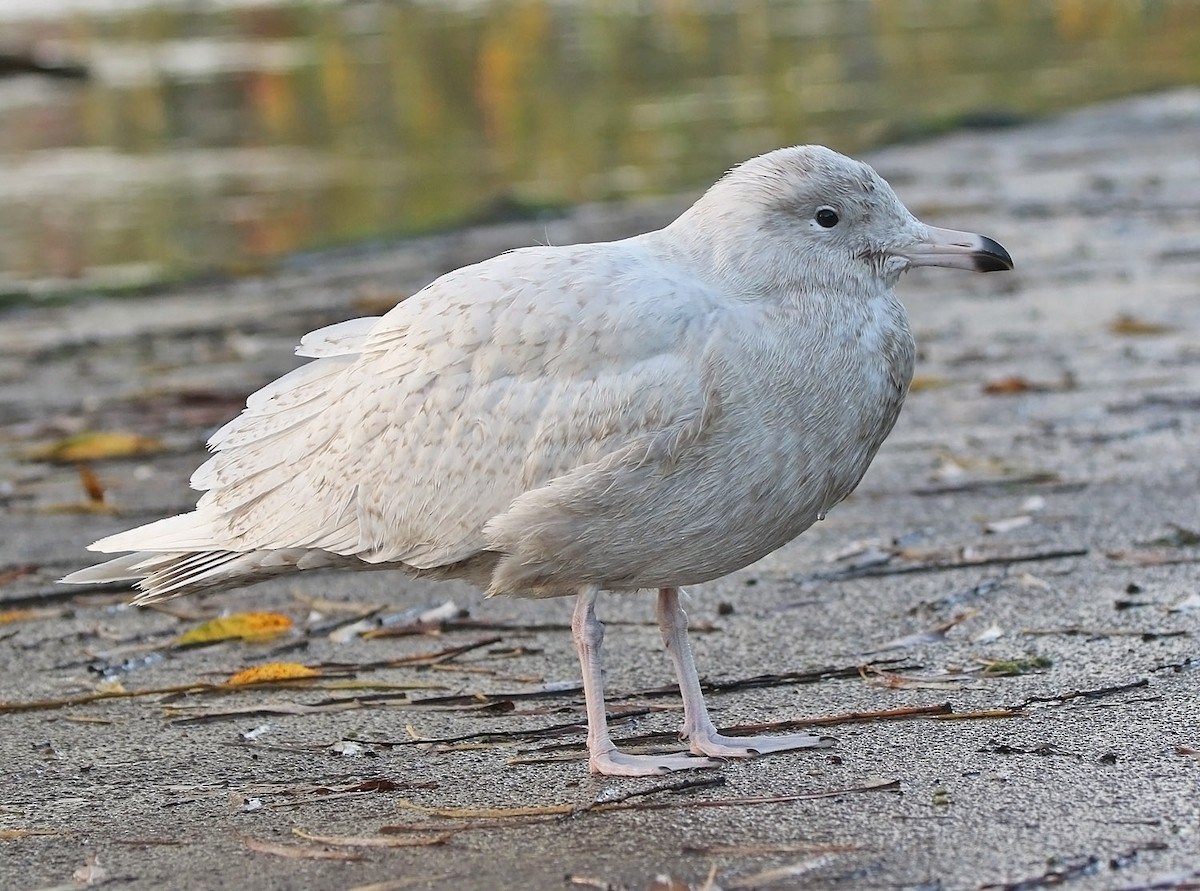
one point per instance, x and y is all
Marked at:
(247, 626)
(91, 484)
(1005, 386)
(8, 616)
(272, 671)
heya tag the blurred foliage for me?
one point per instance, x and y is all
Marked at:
(216, 137)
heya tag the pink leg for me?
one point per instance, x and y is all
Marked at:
(603, 757)
(698, 727)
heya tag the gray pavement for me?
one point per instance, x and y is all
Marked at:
(1039, 497)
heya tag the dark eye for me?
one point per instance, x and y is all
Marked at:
(827, 217)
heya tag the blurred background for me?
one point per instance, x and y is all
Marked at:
(145, 141)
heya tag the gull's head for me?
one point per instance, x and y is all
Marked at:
(807, 216)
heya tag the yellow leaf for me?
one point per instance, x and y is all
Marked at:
(927, 382)
(247, 626)
(95, 445)
(79, 507)
(272, 671)
(8, 616)
(1132, 326)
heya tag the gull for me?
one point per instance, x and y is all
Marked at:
(648, 413)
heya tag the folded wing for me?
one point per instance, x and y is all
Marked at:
(408, 433)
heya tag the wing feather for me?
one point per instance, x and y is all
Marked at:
(338, 339)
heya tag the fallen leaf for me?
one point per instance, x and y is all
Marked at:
(8, 616)
(1013, 667)
(298, 852)
(1007, 386)
(91, 484)
(12, 573)
(78, 507)
(927, 382)
(272, 671)
(96, 445)
(247, 626)
(1131, 326)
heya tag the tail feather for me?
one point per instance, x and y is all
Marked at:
(163, 576)
(119, 570)
(188, 532)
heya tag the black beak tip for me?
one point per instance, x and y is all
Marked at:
(990, 256)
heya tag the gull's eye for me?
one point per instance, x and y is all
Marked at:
(827, 218)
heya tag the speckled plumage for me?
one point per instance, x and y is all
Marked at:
(646, 413)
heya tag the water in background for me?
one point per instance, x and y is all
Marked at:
(220, 135)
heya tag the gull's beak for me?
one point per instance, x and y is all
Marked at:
(961, 250)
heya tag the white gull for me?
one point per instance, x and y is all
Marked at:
(646, 413)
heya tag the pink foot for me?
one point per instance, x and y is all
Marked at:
(614, 763)
(718, 746)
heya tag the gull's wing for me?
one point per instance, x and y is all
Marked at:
(409, 433)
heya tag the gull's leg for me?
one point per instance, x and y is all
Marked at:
(698, 728)
(603, 756)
